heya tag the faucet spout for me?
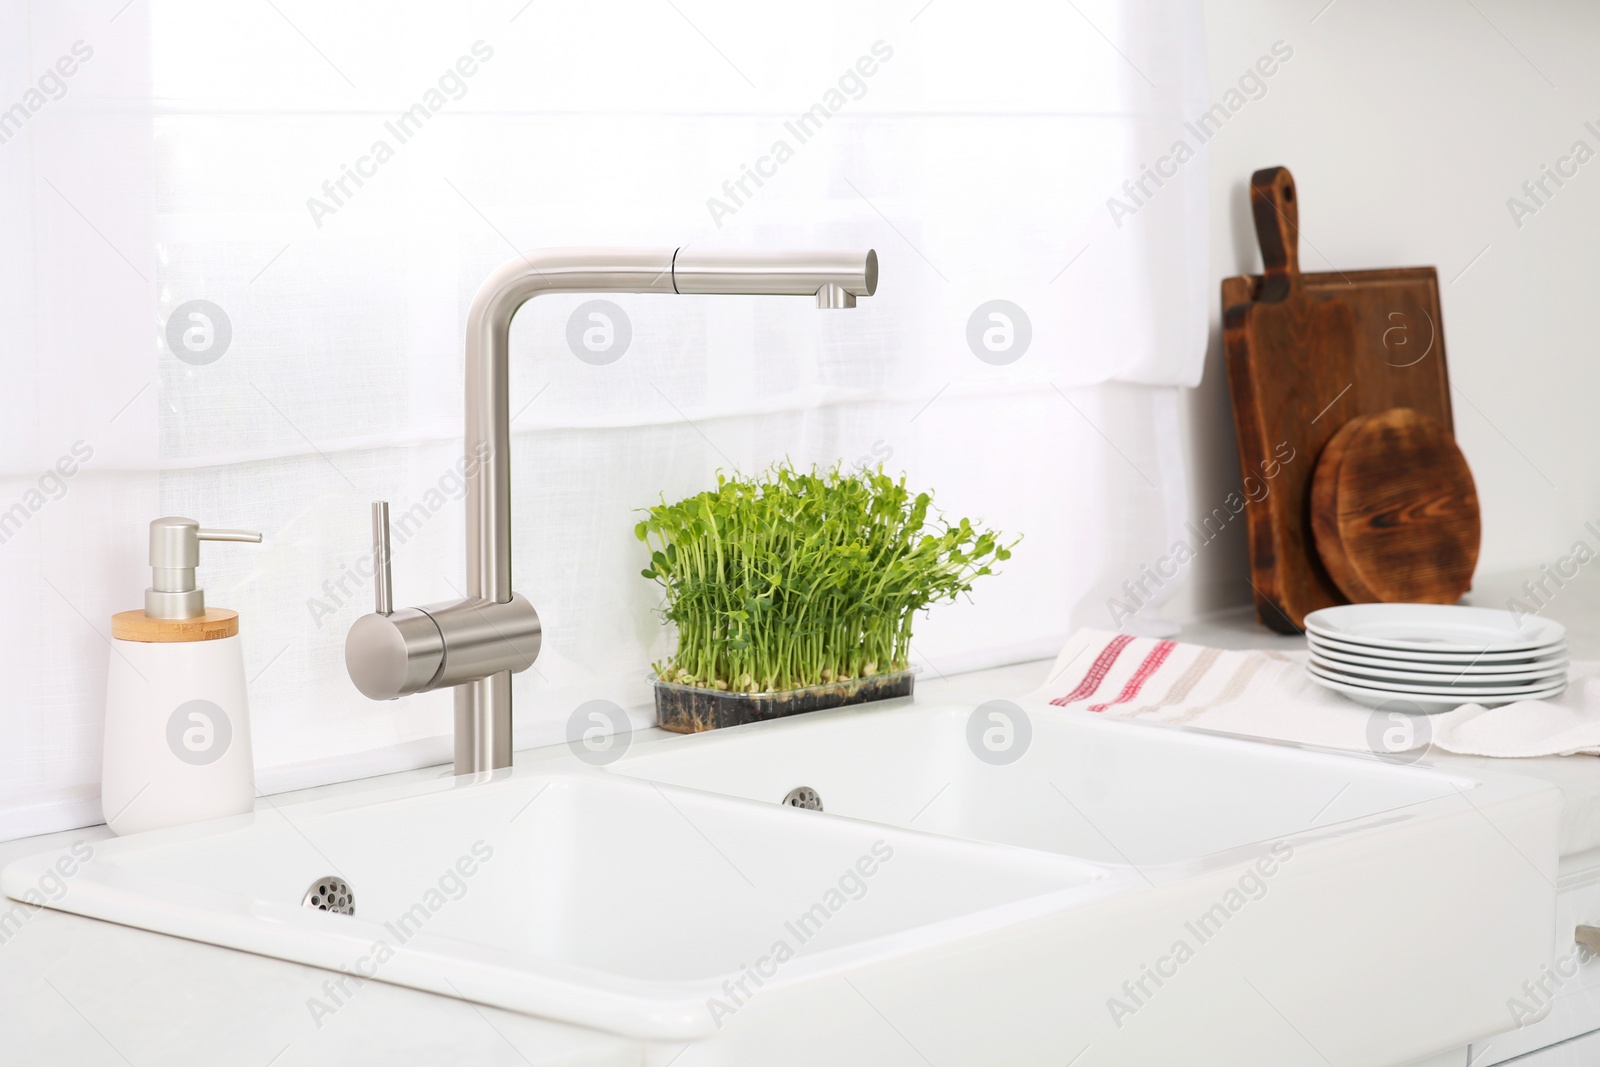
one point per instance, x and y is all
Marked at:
(846, 274)
(494, 632)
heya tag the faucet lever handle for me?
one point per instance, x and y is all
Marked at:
(382, 575)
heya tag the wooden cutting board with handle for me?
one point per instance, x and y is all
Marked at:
(1305, 354)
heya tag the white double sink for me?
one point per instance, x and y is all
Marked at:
(1120, 893)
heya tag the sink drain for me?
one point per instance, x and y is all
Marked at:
(803, 796)
(331, 894)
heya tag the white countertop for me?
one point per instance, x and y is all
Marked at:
(1578, 777)
(80, 991)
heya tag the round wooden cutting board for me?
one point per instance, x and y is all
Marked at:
(1394, 511)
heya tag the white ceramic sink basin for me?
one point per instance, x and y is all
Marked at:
(1397, 909)
(584, 897)
(1085, 785)
(1122, 893)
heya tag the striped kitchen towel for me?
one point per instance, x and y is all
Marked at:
(1268, 694)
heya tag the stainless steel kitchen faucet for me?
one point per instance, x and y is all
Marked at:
(476, 644)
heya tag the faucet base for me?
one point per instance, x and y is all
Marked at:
(483, 724)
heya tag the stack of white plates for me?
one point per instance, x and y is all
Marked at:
(1436, 656)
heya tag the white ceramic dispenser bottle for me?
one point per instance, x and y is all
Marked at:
(177, 730)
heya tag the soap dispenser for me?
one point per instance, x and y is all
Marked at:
(177, 728)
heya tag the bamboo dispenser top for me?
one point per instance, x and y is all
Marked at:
(137, 626)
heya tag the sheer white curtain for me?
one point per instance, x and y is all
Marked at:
(337, 179)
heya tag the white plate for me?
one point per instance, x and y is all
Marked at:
(1377, 676)
(1434, 627)
(1400, 679)
(1438, 673)
(1465, 692)
(1417, 655)
(1380, 698)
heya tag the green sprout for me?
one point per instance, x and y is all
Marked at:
(791, 579)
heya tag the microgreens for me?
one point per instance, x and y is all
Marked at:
(790, 578)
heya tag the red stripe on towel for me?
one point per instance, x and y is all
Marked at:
(1097, 671)
(1151, 664)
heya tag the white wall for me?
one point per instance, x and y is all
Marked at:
(1407, 127)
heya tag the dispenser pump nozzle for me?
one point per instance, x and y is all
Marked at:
(174, 554)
